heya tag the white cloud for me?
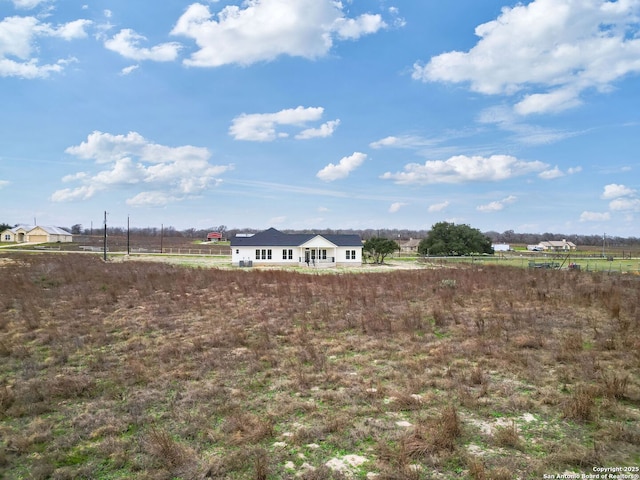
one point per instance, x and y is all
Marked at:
(396, 206)
(625, 204)
(594, 217)
(74, 194)
(506, 119)
(18, 37)
(28, 4)
(555, 172)
(71, 30)
(403, 141)
(398, 21)
(614, 190)
(261, 127)
(262, 30)
(129, 70)
(4, 183)
(462, 169)
(552, 102)
(497, 205)
(164, 174)
(325, 130)
(354, 28)
(549, 51)
(151, 199)
(343, 169)
(438, 207)
(127, 43)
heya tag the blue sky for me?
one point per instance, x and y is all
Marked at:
(322, 114)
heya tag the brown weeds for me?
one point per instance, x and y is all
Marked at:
(147, 370)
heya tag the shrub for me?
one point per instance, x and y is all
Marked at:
(437, 435)
(580, 404)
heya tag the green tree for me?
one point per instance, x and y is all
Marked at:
(5, 226)
(379, 248)
(450, 239)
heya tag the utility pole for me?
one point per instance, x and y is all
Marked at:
(604, 235)
(161, 235)
(105, 235)
(128, 237)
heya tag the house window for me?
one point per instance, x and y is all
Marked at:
(287, 254)
(237, 251)
(269, 254)
(351, 254)
(323, 254)
(290, 254)
(7, 237)
(257, 254)
(264, 254)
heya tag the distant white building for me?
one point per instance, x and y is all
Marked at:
(500, 247)
(555, 246)
(35, 234)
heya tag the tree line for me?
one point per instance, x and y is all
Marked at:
(399, 235)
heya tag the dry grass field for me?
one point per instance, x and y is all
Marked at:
(146, 370)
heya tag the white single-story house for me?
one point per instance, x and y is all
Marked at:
(35, 234)
(553, 245)
(272, 247)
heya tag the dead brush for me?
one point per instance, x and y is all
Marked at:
(7, 397)
(477, 376)
(246, 428)
(613, 385)
(434, 436)
(508, 436)
(403, 402)
(260, 464)
(571, 344)
(623, 432)
(500, 473)
(580, 405)
(168, 452)
(477, 470)
(577, 455)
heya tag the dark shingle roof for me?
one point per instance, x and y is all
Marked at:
(276, 238)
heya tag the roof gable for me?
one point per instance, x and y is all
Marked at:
(318, 241)
(23, 228)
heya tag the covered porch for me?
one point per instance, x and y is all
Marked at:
(317, 252)
(317, 257)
